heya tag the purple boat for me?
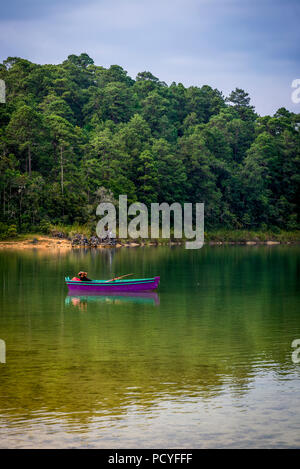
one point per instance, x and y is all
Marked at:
(133, 285)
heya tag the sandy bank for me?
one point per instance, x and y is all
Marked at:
(50, 243)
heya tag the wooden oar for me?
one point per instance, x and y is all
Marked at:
(117, 278)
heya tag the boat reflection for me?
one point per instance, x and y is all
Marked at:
(81, 301)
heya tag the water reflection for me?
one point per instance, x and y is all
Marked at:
(81, 301)
(2, 351)
(211, 360)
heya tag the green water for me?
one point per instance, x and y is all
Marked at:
(205, 362)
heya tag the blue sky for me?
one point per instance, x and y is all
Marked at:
(250, 44)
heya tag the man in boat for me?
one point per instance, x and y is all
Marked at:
(83, 277)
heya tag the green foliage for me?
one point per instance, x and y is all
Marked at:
(74, 133)
(8, 231)
(68, 231)
(44, 226)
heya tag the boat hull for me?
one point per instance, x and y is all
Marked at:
(134, 285)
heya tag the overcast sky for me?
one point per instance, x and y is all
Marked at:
(250, 44)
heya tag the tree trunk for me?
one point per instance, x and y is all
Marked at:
(29, 160)
(20, 210)
(9, 199)
(61, 171)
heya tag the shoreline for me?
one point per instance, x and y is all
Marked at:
(53, 243)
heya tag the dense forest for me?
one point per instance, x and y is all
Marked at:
(75, 134)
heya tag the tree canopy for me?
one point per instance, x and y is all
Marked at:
(70, 129)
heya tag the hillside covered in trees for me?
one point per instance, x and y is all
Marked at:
(75, 134)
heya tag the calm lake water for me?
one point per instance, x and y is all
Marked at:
(205, 362)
